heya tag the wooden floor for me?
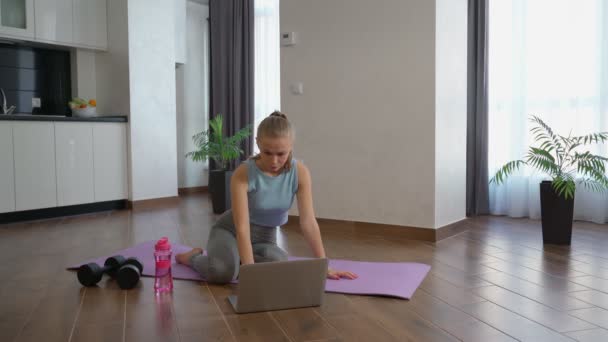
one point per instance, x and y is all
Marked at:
(494, 282)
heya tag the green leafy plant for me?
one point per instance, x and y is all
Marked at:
(213, 144)
(558, 157)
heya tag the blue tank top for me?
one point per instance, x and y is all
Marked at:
(270, 197)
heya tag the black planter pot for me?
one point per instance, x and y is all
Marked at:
(557, 214)
(219, 188)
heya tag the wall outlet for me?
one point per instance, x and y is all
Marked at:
(36, 103)
(288, 38)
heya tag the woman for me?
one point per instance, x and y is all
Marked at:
(263, 189)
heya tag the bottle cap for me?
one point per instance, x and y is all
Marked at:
(163, 244)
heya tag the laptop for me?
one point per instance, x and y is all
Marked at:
(280, 285)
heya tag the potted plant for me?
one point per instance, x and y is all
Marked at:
(562, 159)
(213, 144)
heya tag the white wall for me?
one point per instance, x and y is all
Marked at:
(451, 111)
(153, 147)
(365, 123)
(136, 77)
(104, 76)
(192, 90)
(112, 67)
(382, 120)
(83, 74)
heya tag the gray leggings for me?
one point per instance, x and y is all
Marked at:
(221, 264)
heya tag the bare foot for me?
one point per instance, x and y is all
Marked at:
(184, 258)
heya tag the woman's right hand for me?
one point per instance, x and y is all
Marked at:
(240, 213)
(337, 275)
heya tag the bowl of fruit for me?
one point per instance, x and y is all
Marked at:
(83, 108)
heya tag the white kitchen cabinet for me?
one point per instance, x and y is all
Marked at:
(54, 20)
(74, 159)
(51, 164)
(7, 165)
(17, 18)
(90, 23)
(77, 23)
(180, 31)
(35, 177)
(110, 161)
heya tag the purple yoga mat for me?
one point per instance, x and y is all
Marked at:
(395, 279)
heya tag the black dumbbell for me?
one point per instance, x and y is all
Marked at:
(129, 273)
(91, 273)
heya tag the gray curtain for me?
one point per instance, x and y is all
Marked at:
(231, 35)
(477, 109)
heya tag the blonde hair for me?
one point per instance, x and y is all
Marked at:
(276, 125)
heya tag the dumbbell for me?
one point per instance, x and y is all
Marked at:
(91, 273)
(129, 273)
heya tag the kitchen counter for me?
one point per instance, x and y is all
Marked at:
(32, 117)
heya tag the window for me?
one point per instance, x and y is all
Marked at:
(547, 58)
(267, 60)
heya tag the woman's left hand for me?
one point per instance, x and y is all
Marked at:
(336, 275)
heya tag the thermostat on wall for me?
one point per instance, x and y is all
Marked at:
(288, 38)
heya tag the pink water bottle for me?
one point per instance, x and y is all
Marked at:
(163, 280)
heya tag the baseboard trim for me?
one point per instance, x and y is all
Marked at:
(192, 190)
(46, 213)
(387, 230)
(155, 203)
(451, 229)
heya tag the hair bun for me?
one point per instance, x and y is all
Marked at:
(279, 114)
